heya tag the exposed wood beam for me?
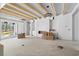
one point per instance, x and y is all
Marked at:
(13, 14)
(35, 8)
(21, 9)
(13, 11)
(53, 9)
(32, 10)
(63, 8)
(41, 7)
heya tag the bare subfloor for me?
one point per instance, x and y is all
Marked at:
(39, 47)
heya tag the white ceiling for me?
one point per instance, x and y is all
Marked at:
(37, 10)
(59, 7)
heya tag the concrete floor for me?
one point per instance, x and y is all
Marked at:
(39, 47)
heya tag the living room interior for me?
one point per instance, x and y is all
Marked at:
(39, 29)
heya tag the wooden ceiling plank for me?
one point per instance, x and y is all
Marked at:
(34, 10)
(63, 8)
(17, 12)
(10, 7)
(13, 14)
(16, 7)
(53, 9)
(41, 7)
(21, 8)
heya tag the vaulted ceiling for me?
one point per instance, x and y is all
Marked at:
(32, 11)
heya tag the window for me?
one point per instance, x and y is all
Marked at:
(7, 29)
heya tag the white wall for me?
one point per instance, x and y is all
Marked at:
(21, 26)
(41, 25)
(63, 25)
